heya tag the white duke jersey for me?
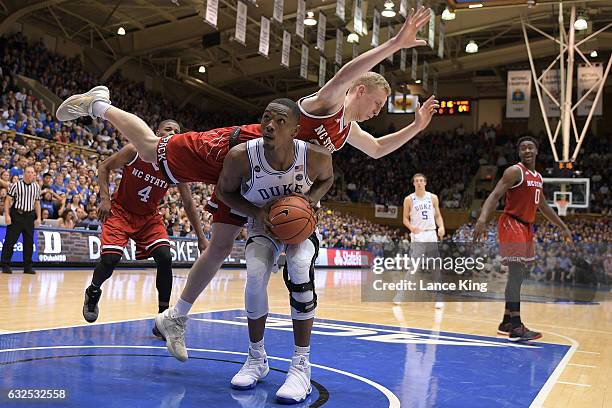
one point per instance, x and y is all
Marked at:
(267, 184)
(422, 212)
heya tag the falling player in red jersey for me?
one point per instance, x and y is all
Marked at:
(133, 213)
(522, 185)
(329, 118)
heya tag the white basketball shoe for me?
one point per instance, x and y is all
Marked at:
(173, 330)
(254, 369)
(80, 105)
(297, 384)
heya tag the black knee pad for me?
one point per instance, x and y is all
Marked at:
(303, 307)
(162, 256)
(109, 261)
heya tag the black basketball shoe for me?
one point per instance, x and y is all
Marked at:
(504, 328)
(522, 333)
(90, 306)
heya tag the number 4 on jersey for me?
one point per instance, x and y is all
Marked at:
(144, 194)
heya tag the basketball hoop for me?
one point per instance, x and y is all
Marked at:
(562, 207)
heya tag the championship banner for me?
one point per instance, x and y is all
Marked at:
(425, 75)
(550, 81)
(355, 50)
(381, 69)
(212, 11)
(304, 62)
(299, 19)
(264, 37)
(339, 45)
(403, 53)
(415, 62)
(432, 29)
(519, 94)
(321, 32)
(322, 70)
(390, 34)
(340, 9)
(286, 49)
(375, 28)
(241, 17)
(587, 78)
(403, 9)
(277, 12)
(386, 211)
(442, 33)
(358, 18)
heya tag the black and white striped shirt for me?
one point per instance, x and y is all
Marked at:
(24, 195)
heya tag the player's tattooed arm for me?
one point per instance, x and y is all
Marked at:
(552, 216)
(512, 175)
(320, 172)
(117, 160)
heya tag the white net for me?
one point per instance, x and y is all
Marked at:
(562, 207)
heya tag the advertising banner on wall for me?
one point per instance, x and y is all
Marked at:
(82, 247)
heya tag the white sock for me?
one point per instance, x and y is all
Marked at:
(301, 351)
(257, 349)
(181, 308)
(99, 109)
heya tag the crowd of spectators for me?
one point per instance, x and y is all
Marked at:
(387, 180)
(66, 155)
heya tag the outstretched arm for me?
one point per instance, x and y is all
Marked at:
(511, 176)
(331, 96)
(379, 147)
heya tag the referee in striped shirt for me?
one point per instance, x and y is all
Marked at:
(22, 211)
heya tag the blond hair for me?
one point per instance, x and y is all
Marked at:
(372, 80)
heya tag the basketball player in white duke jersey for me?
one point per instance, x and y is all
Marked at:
(254, 175)
(421, 216)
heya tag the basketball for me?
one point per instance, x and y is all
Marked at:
(293, 220)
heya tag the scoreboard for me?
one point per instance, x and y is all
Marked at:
(452, 107)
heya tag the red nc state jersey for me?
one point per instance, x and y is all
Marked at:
(330, 131)
(142, 187)
(522, 199)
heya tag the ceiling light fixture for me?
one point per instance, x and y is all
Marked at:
(471, 47)
(352, 38)
(581, 23)
(202, 69)
(121, 31)
(310, 20)
(448, 15)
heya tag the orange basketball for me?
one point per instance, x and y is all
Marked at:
(292, 219)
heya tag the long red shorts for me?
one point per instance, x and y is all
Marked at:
(147, 231)
(516, 242)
